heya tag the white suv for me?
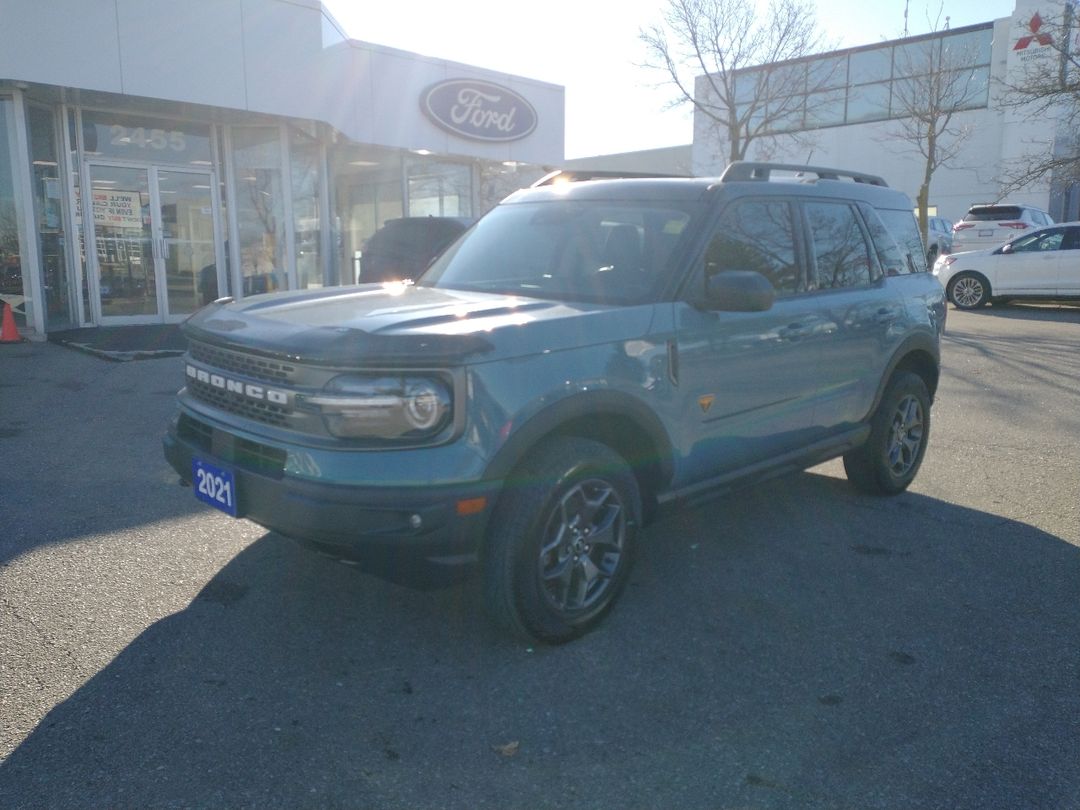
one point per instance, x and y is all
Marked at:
(987, 226)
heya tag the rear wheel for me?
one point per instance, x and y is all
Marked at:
(561, 541)
(887, 463)
(969, 291)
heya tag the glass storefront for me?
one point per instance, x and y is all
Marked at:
(49, 210)
(305, 159)
(259, 208)
(82, 271)
(123, 238)
(13, 290)
(151, 217)
(138, 138)
(137, 219)
(440, 189)
(367, 191)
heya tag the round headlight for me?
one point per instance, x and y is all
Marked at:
(359, 406)
(425, 405)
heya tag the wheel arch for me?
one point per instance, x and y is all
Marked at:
(919, 354)
(616, 420)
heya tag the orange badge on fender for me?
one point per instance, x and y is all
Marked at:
(706, 402)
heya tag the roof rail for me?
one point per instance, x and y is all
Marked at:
(749, 170)
(575, 175)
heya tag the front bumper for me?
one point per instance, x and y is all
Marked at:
(367, 524)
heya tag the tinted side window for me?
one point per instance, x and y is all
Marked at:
(1047, 240)
(892, 258)
(902, 225)
(840, 252)
(757, 235)
(1072, 239)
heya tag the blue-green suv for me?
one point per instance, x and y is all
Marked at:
(585, 355)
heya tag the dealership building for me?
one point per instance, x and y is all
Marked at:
(155, 155)
(849, 115)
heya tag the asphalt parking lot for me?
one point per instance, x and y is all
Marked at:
(796, 645)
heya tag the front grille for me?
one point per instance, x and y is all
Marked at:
(260, 411)
(259, 458)
(248, 365)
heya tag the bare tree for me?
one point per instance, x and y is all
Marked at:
(1048, 91)
(719, 41)
(939, 82)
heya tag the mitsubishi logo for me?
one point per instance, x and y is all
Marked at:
(1034, 26)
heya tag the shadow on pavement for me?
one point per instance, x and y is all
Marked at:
(1059, 312)
(80, 446)
(794, 646)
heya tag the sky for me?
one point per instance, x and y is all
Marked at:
(592, 48)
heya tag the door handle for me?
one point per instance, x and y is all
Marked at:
(885, 315)
(793, 331)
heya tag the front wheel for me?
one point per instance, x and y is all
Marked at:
(969, 291)
(899, 429)
(561, 541)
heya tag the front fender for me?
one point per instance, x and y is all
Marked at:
(617, 419)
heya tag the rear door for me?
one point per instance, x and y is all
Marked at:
(851, 290)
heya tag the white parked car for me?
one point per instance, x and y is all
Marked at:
(1042, 264)
(988, 226)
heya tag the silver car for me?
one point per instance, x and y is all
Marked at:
(939, 239)
(988, 226)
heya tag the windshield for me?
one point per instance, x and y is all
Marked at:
(594, 251)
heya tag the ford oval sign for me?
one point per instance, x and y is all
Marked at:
(480, 111)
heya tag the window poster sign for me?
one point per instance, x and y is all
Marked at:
(117, 209)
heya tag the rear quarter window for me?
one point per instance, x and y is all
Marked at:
(905, 230)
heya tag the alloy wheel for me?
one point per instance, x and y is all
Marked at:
(583, 546)
(905, 436)
(968, 292)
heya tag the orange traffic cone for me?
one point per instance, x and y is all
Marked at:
(9, 332)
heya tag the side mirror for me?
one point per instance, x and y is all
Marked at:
(1006, 248)
(739, 291)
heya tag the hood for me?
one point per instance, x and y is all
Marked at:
(407, 325)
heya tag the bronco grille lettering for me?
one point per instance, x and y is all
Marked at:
(248, 390)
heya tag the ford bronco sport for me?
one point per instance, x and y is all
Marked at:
(585, 355)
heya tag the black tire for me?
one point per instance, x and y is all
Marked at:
(969, 291)
(899, 430)
(546, 577)
(931, 256)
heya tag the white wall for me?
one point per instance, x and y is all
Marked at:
(997, 136)
(267, 56)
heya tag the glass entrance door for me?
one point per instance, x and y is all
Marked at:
(124, 243)
(155, 243)
(187, 240)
